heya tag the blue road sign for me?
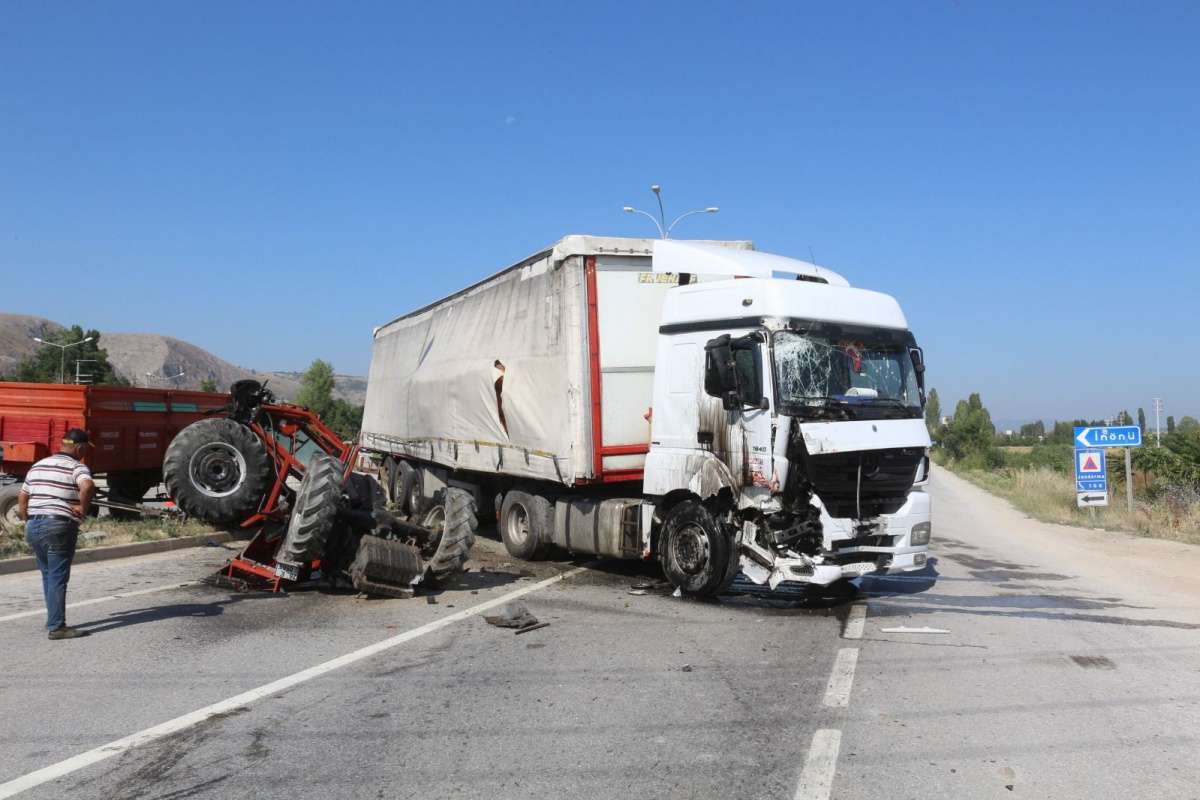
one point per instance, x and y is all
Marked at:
(1090, 473)
(1113, 436)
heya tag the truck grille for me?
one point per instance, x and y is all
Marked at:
(887, 477)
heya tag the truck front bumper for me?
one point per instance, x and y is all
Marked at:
(844, 559)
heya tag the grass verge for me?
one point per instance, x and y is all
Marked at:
(1049, 495)
(104, 531)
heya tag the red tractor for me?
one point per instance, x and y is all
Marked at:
(278, 467)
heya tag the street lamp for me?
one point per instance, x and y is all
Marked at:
(664, 230)
(62, 363)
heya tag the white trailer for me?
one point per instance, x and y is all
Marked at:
(649, 398)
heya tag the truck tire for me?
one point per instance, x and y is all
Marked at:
(217, 470)
(10, 523)
(314, 511)
(697, 556)
(128, 488)
(452, 521)
(391, 477)
(410, 492)
(526, 521)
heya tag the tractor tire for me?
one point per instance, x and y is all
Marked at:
(314, 511)
(698, 557)
(526, 521)
(452, 522)
(10, 523)
(217, 470)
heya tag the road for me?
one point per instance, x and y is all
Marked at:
(1031, 660)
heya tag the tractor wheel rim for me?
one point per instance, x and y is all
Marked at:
(689, 549)
(517, 524)
(435, 521)
(217, 469)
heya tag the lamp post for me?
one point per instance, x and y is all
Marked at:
(664, 230)
(62, 362)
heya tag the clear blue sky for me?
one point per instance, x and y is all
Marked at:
(270, 181)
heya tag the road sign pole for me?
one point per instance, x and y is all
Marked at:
(1128, 480)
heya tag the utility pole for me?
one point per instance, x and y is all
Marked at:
(1158, 407)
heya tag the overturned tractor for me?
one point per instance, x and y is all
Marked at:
(278, 468)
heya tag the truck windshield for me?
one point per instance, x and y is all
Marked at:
(846, 373)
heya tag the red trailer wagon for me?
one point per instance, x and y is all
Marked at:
(130, 429)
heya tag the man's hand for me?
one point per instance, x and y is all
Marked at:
(23, 506)
(87, 490)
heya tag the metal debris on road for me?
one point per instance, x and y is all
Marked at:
(638, 592)
(511, 615)
(903, 629)
(686, 668)
(529, 628)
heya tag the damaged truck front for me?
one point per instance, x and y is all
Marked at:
(722, 410)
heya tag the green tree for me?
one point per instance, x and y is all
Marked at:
(1188, 425)
(970, 434)
(933, 413)
(1142, 419)
(47, 363)
(208, 385)
(316, 388)
(1170, 425)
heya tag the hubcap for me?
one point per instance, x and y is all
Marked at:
(689, 549)
(517, 524)
(217, 469)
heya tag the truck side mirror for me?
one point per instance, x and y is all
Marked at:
(720, 370)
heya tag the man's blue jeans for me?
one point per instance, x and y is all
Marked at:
(52, 540)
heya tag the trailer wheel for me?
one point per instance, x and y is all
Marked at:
(410, 489)
(525, 524)
(391, 476)
(452, 522)
(9, 521)
(217, 470)
(697, 556)
(314, 511)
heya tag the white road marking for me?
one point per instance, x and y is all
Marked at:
(118, 746)
(41, 611)
(904, 629)
(837, 693)
(816, 780)
(855, 622)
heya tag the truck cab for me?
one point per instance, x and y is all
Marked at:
(788, 413)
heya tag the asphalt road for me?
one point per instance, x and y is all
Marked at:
(1032, 661)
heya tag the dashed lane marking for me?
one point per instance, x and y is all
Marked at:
(119, 746)
(855, 622)
(816, 781)
(108, 598)
(837, 693)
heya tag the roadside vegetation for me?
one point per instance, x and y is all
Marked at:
(103, 531)
(1034, 470)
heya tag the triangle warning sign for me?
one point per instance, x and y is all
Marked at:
(1090, 465)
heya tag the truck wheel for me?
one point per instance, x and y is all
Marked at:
(410, 489)
(314, 511)
(452, 522)
(217, 470)
(697, 556)
(9, 521)
(391, 478)
(525, 523)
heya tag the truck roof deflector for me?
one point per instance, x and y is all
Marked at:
(712, 259)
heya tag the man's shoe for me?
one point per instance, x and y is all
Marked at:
(66, 633)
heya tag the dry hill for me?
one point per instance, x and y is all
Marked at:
(134, 355)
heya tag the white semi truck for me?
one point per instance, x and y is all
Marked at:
(721, 409)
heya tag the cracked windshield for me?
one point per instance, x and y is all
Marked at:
(862, 377)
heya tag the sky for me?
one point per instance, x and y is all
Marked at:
(270, 181)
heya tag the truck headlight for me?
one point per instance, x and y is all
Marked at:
(920, 533)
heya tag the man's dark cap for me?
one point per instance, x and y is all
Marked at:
(76, 436)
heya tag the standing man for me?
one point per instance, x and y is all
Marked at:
(53, 500)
